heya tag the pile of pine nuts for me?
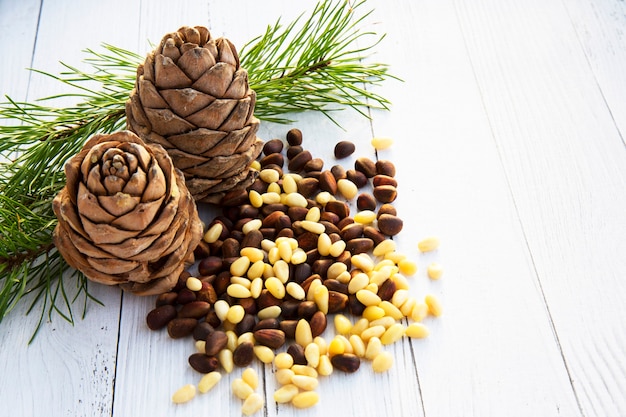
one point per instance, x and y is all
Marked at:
(285, 256)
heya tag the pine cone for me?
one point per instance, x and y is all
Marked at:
(125, 215)
(192, 97)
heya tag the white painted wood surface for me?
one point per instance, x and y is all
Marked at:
(509, 143)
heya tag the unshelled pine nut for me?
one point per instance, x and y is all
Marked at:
(208, 381)
(428, 244)
(434, 271)
(305, 399)
(434, 306)
(382, 362)
(184, 394)
(252, 404)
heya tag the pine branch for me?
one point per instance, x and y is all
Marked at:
(313, 63)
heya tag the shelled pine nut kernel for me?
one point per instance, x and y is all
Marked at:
(284, 255)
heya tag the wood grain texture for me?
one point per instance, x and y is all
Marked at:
(509, 146)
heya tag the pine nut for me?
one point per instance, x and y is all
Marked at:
(304, 370)
(270, 198)
(313, 214)
(368, 298)
(285, 393)
(380, 143)
(283, 376)
(296, 200)
(295, 290)
(428, 244)
(274, 188)
(305, 399)
(273, 255)
(407, 307)
(321, 344)
(256, 200)
(386, 322)
(255, 165)
(358, 345)
(200, 346)
(365, 217)
(269, 175)
(323, 198)
(289, 184)
(184, 394)
(304, 382)
(252, 404)
(392, 334)
(314, 284)
(298, 257)
(312, 354)
(343, 325)
(275, 287)
(325, 366)
(382, 362)
(347, 188)
(391, 310)
(434, 271)
(193, 284)
(358, 282)
(246, 337)
(254, 224)
(372, 313)
(235, 314)
(226, 360)
(384, 247)
(303, 333)
(270, 312)
(416, 331)
(283, 360)
(360, 325)
(245, 282)
(313, 227)
(337, 248)
(208, 381)
(399, 297)
(213, 233)
(221, 309)
(434, 306)
(264, 354)
(363, 262)
(335, 269)
(238, 291)
(407, 267)
(419, 311)
(284, 250)
(250, 376)
(373, 349)
(256, 286)
(320, 296)
(336, 346)
(395, 257)
(375, 331)
(241, 389)
(323, 244)
(400, 281)
(232, 339)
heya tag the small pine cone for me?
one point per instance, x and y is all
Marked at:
(125, 215)
(192, 97)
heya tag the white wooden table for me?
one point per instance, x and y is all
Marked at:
(509, 133)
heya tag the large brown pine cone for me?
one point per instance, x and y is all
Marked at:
(125, 215)
(192, 97)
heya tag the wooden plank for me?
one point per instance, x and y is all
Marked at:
(18, 27)
(67, 370)
(600, 30)
(493, 352)
(554, 127)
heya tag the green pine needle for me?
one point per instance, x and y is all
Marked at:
(316, 63)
